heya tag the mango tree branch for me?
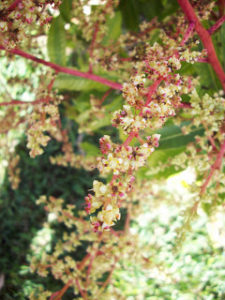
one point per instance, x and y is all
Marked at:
(60, 69)
(205, 38)
(217, 164)
(20, 102)
(217, 25)
(58, 295)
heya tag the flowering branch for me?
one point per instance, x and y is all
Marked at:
(60, 69)
(205, 38)
(151, 91)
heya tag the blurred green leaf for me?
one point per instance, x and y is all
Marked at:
(72, 83)
(57, 42)
(130, 15)
(65, 9)
(162, 156)
(114, 28)
(172, 136)
(90, 149)
(208, 78)
(115, 104)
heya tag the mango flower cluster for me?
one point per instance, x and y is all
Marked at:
(121, 161)
(151, 96)
(43, 119)
(13, 24)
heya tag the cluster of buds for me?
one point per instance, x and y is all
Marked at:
(107, 197)
(121, 161)
(150, 108)
(92, 21)
(43, 119)
(14, 21)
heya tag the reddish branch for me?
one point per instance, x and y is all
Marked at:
(205, 38)
(109, 277)
(217, 25)
(221, 4)
(185, 105)
(188, 33)
(93, 44)
(105, 96)
(152, 90)
(217, 164)
(60, 69)
(58, 295)
(83, 294)
(130, 138)
(19, 102)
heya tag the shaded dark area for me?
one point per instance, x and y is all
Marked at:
(21, 218)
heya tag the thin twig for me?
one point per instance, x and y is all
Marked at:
(216, 25)
(60, 69)
(20, 102)
(217, 164)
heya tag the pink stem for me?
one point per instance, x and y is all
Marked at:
(60, 69)
(205, 38)
(83, 294)
(185, 105)
(216, 25)
(188, 33)
(130, 138)
(93, 44)
(152, 90)
(216, 165)
(58, 295)
(19, 102)
(105, 96)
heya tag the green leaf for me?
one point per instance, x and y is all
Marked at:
(116, 104)
(130, 15)
(151, 9)
(114, 28)
(208, 78)
(100, 123)
(57, 42)
(90, 149)
(162, 156)
(172, 136)
(73, 83)
(158, 157)
(65, 10)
